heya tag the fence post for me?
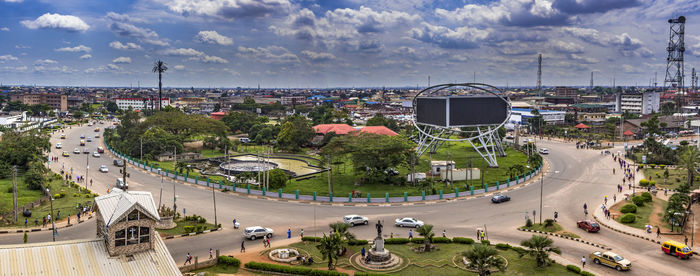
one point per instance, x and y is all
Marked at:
(471, 188)
(440, 194)
(517, 178)
(422, 194)
(208, 181)
(175, 175)
(331, 197)
(508, 182)
(248, 188)
(386, 196)
(264, 191)
(405, 196)
(368, 198)
(498, 185)
(486, 187)
(349, 197)
(221, 184)
(186, 176)
(456, 192)
(196, 179)
(233, 186)
(279, 193)
(314, 196)
(297, 194)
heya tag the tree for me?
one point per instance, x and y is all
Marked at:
(217, 107)
(629, 115)
(110, 106)
(689, 160)
(482, 258)
(160, 67)
(278, 178)
(668, 108)
(35, 177)
(539, 248)
(380, 120)
(676, 207)
(536, 122)
(329, 247)
(295, 132)
(78, 114)
(426, 231)
(22, 148)
(652, 126)
(15, 106)
(342, 229)
(182, 166)
(242, 121)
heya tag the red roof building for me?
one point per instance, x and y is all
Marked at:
(381, 130)
(218, 115)
(340, 129)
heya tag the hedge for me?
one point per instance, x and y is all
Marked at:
(628, 218)
(396, 241)
(503, 246)
(462, 240)
(417, 240)
(628, 208)
(228, 260)
(486, 242)
(518, 249)
(311, 239)
(573, 268)
(369, 274)
(586, 273)
(358, 242)
(441, 240)
(646, 196)
(638, 200)
(188, 228)
(292, 269)
(643, 182)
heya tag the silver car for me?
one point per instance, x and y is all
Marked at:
(355, 220)
(257, 232)
(408, 222)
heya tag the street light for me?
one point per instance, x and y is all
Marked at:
(160, 197)
(53, 219)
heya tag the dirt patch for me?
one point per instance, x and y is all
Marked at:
(656, 217)
(195, 145)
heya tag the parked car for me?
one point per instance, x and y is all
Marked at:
(65, 154)
(244, 140)
(104, 169)
(59, 145)
(257, 232)
(95, 154)
(355, 220)
(500, 198)
(97, 135)
(677, 249)
(408, 222)
(544, 151)
(611, 259)
(588, 225)
(76, 150)
(118, 163)
(510, 137)
(100, 149)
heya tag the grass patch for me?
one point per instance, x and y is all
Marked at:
(218, 269)
(24, 196)
(657, 175)
(180, 228)
(642, 213)
(555, 228)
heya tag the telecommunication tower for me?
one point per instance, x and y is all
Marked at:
(539, 74)
(676, 48)
(694, 81)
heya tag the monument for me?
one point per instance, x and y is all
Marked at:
(378, 254)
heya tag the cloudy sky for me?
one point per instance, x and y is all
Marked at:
(330, 43)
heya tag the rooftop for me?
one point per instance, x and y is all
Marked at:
(114, 205)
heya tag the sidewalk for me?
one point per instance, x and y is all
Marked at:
(63, 223)
(599, 216)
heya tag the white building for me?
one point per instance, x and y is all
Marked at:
(520, 116)
(140, 103)
(638, 103)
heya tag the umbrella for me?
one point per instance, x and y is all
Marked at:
(628, 133)
(581, 126)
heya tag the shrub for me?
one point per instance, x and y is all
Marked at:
(188, 228)
(652, 183)
(357, 242)
(573, 268)
(229, 260)
(57, 196)
(292, 269)
(638, 200)
(652, 165)
(441, 240)
(396, 241)
(628, 208)
(646, 196)
(88, 195)
(462, 240)
(662, 166)
(519, 250)
(548, 222)
(628, 218)
(486, 242)
(528, 223)
(201, 220)
(643, 182)
(503, 246)
(311, 239)
(641, 166)
(586, 273)
(417, 240)
(76, 195)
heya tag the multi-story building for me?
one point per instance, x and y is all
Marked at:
(140, 103)
(561, 91)
(290, 100)
(638, 103)
(55, 101)
(75, 102)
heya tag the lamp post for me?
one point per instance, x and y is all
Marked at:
(53, 219)
(160, 197)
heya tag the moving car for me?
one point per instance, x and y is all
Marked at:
(677, 249)
(121, 185)
(355, 220)
(544, 151)
(408, 222)
(82, 142)
(82, 136)
(65, 154)
(588, 225)
(59, 145)
(86, 151)
(104, 169)
(611, 259)
(118, 163)
(63, 136)
(97, 135)
(95, 154)
(76, 150)
(100, 149)
(257, 232)
(89, 139)
(97, 129)
(500, 198)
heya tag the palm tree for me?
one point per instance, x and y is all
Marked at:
(329, 246)
(426, 231)
(677, 204)
(689, 160)
(341, 229)
(160, 67)
(182, 166)
(482, 258)
(540, 247)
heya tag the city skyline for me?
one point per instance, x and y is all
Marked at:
(281, 43)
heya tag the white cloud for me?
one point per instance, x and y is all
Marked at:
(55, 69)
(631, 69)
(194, 55)
(212, 59)
(86, 56)
(566, 47)
(584, 59)
(212, 37)
(103, 69)
(459, 38)
(270, 54)
(79, 48)
(142, 34)
(7, 58)
(228, 9)
(128, 46)
(45, 61)
(57, 21)
(122, 60)
(124, 18)
(179, 67)
(14, 69)
(318, 57)
(5, 29)
(14, 1)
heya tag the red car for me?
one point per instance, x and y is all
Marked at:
(588, 225)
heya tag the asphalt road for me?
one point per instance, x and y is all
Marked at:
(575, 177)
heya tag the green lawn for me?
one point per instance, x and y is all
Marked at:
(676, 177)
(24, 196)
(439, 262)
(642, 214)
(180, 228)
(556, 228)
(218, 269)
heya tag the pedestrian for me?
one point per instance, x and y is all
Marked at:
(243, 245)
(58, 217)
(48, 218)
(391, 235)
(36, 221)
(268, 242)
(665, 191)
(25, 222)
(289, 233)
(302, 233)
(78, 216)
(188, 258)
(444, 235)
(658, 231)
(482, 235)
(68, 219)
(556, 216)
(629, 186)
(605, 199)
(583, 261)
(410, 234)
(614, 198)
(686, 239)
(363, 252)
(210, 255)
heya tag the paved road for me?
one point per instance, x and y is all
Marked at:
(575, 177)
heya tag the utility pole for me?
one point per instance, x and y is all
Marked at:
(541, 184)
(141, 142)
(87, 170)
(539, 74)
(14, 190)
(213, 195)
(53, 219)
(174, 193)
(160, 197)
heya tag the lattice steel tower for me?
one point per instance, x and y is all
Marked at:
(539, 74)
(676, 47)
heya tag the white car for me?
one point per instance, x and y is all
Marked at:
(76, 150)
(95, 154)
(544, 151)
(257, 232)
(89, 139)
(355, 220)
(59, 145)
(408, 222)
(104, 169)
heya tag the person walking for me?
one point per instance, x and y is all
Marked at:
(289, 233)
(363, 252)
(302, 233)
(583, 261)
(268, 242)
(243, 245)
(658, 231)
(210, 254)
(614, 198)
(188, 258)
(605, 199)
(556, 216)
(482, 235)
(410, 234)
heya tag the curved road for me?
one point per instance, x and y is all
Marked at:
(575, 177)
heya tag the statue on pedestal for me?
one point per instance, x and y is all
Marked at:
(379, 227)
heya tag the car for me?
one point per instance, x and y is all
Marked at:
(59, 145)
(500, 198)
(255, 232)
(544, 151)
(82, 136)
(97, 129)
(63, 136)
(121, 184)
(100, 149)
(97, 135)
(104, 169)
(355, 220)
(677, 249)
(65, 154)
(244, 140)
(76, 150)
(510, 137)
(86, 151)
(89, 139)
(118, 163)
(408, 222)
(95, 154)
(82, 142)
(588, 225)
(611, 259)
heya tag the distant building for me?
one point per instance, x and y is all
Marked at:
(638, 103)
(55, 101)
(218, 115)
(75, 102)
(562, 91)
(520, 116)
(140, 103)
(290, 100)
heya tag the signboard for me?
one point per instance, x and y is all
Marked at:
(461, 111)
(644, 159)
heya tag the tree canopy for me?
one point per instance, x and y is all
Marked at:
(295, 133)
(371, 154)
(380, 120)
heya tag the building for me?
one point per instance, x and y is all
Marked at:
(75, 102)
(638, 103)
(292, 100)
(55, 101)
(126, 244)
(520, 116)
(561, 91)
(140, 103)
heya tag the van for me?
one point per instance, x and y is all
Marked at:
(677, 249)
(244, 140)
(121, 184)
(82, 142)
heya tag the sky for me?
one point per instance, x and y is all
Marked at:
(340, 43)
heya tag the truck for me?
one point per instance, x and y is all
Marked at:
(610, 259)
